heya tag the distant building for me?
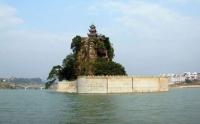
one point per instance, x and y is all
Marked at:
(3, 80)
(176, 78)
(180, 78)
(191, 76)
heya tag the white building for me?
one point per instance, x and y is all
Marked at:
(176, 78)
(191, 76)
(180, 78)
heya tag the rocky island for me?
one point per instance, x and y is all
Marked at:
(90, 69)
(92, 55)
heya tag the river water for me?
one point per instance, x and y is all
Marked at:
(178, 106)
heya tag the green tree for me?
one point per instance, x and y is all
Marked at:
(69, 69)
(66, 71)
(109, 47)
(55, 74)
(49, 83)
(103, 67)
(76, 44)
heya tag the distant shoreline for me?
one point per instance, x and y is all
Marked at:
(183, 85)
(11, 85)
(189, 86)
(4, 85)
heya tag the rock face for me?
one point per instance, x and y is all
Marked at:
(93, 47)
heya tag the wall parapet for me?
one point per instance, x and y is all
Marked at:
(122, 76)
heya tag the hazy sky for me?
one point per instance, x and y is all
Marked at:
(149, 36)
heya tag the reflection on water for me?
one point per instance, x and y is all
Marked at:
(178, 106)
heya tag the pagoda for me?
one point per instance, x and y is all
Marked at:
(92, 48)
(92, 31)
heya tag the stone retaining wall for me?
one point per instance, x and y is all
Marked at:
(115, 84)
(66, 86)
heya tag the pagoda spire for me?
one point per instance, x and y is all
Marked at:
(92, 31)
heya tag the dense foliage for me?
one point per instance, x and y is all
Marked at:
(109, 47)
(76, 44)
(69, 71)
(102, 67)
(64, 72)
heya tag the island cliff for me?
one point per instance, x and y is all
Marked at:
(92, 55)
